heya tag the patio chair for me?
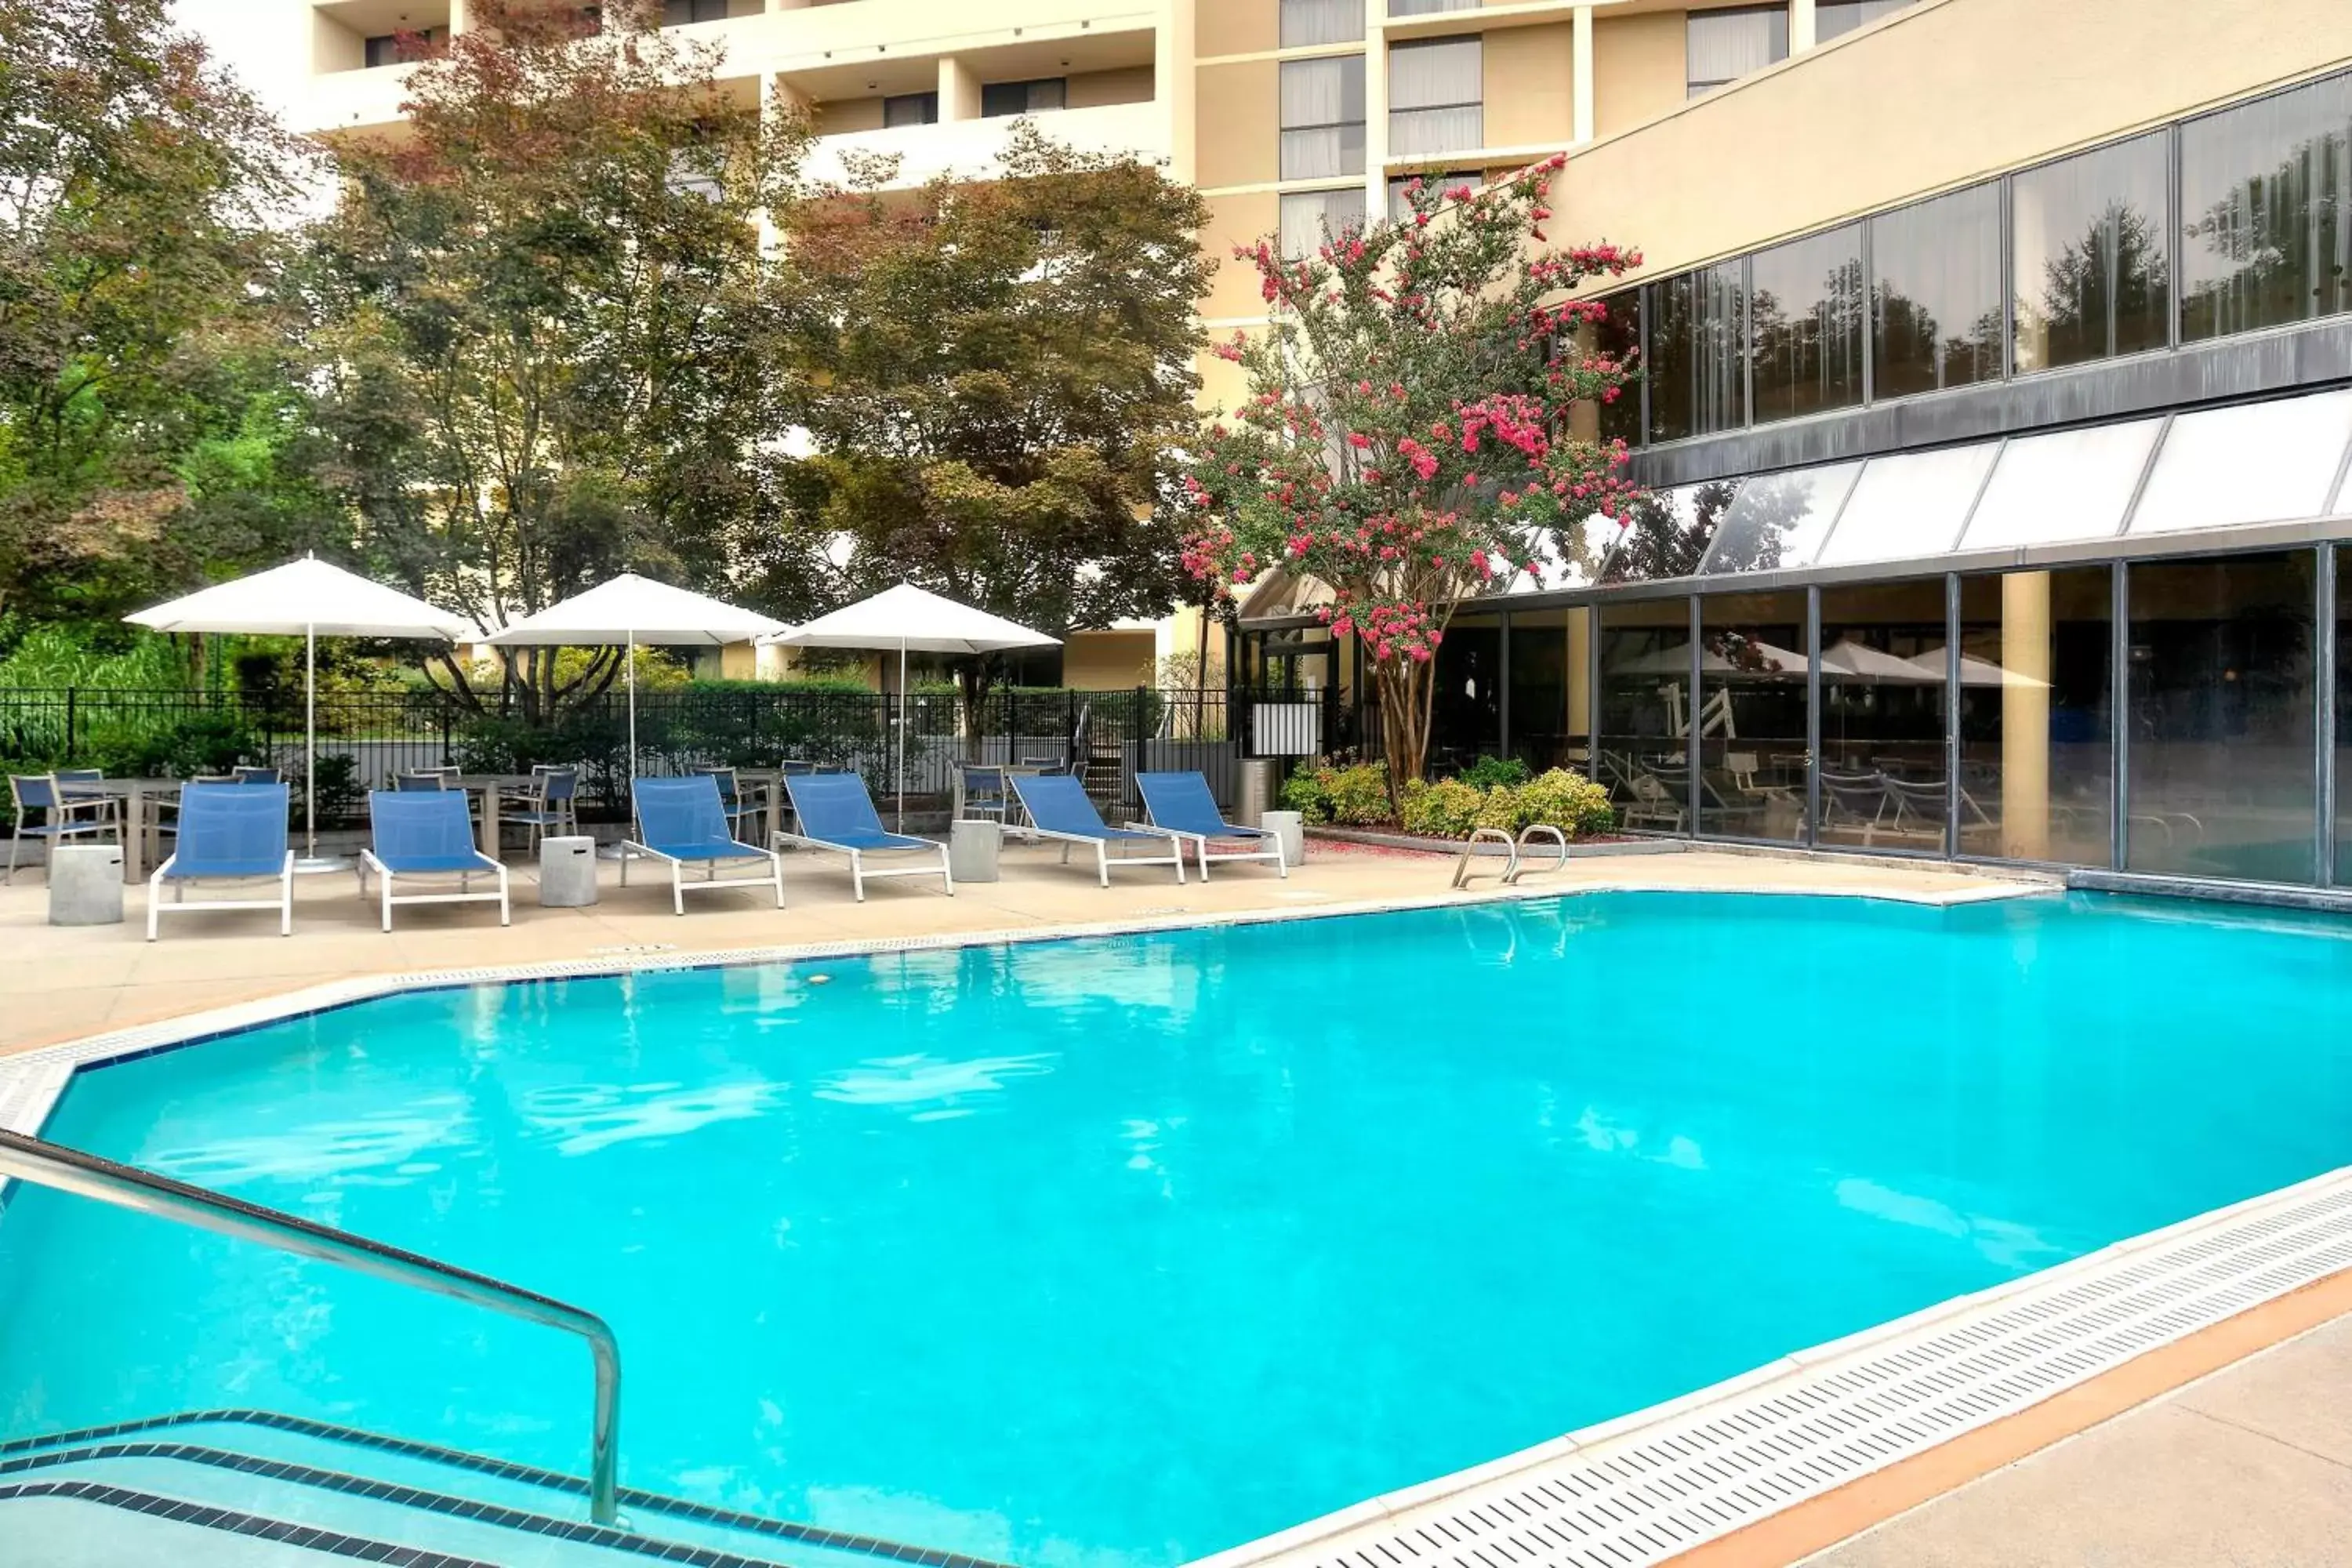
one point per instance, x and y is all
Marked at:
(1659, 797)
(256, 775)
(986, 798)
(552, 806)
(427, 835)
(66, 818)
(1182, 804)
(681, 822)
(1855, 803)
(731, 799)
(419, 782)
(1915, 810)
(228, 833)
(1058, 808)
(836, 812)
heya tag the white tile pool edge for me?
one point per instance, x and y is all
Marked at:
(1651, 1485)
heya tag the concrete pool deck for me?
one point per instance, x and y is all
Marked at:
(2226, 1447)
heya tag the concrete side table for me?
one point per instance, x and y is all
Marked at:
(1290, 827)
(972, 850)
(567, 872)
(85, 885)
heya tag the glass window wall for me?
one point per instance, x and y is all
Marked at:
(1835, 18)
(1884, 692)
(1667, 533)
(910, 109)
(1909, 506)
(2221, 727)
(1547, 723)
(1400, 205)
(1779, 519)
(2266, 212)
(1436, 96)
(2258, 462)
(1618, 336)
(1000, 99)
(1322, 118)
(2069, 484)
(1751, 716)
(2092, 278)
(1806, 303)
(2343, 716)
(1698, 376)
(1466, 719)
(1310, 218)
(1724, 45)
(1936, 294)
(1643, 758)
(1305, 22)
(2037, 693)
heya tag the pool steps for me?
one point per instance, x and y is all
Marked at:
(221, 1482)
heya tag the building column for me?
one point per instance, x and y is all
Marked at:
(1175, 83)
(1580, 672)
(1376, 113)
(1580, 74)
(959, 91)
(1802, 35)
(2025, 715)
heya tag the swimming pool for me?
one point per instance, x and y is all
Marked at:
(1123, 1251)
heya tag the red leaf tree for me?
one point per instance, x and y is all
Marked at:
(1405, 440)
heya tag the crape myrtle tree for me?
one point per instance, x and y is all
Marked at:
(1405, 436)
(541, 312)
(995, 382)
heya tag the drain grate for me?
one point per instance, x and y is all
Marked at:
(1658, 1483)
(631, 949)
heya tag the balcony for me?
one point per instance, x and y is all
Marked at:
(352, 99)
(971, 149)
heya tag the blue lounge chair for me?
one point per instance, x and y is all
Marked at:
(681, 821)
(836, 812)
(428, 834)
(66, 816)
(1058, 808)
(1181, 804)
(234, 833)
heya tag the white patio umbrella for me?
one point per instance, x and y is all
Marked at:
(1974, 671)
(1849, 660)
(1777, 660)
(912, 620)
(308, 598)
(630, 610)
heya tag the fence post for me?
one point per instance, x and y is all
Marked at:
(72, 746)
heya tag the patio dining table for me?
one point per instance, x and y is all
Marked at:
(138, 824)
(493, 788)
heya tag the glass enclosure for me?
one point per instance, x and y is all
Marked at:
(1548, 725)
(1466, 719)
(2255, 462)
(2089, 250)
(2343, 759)
(1699, 372)
(1753, 674)
(1807, 299)
(1935, 316)
(1883, 776)
(2266, 212)
(1778, 521)
(1645, 696)
(2037, 693)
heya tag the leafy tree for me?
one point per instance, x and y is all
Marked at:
(543, 308)
(994, 380)
(1404, 437)
(151, 429)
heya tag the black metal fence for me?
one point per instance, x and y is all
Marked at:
(365, 739)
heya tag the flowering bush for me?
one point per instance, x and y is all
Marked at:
(1448, 809)
(1406, 439)
(1355, 796)
(1564, 799)
(1451, 808)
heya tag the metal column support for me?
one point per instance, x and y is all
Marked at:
(1691, 749)
(1952, 692)
(2323, 730)
(1503, 689)
(2119, 719)
(1813, 716)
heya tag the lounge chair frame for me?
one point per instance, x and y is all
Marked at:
(678, 882)
(860, 872)
(370, 861)
(283, 903)
(1101, 842)
(1227, 833)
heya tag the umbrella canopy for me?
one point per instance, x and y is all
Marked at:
(911, 619)
(631, 609)
(1850, 661)
(306, 597)
(1777, 661)
(1974, 671)
(310, 599)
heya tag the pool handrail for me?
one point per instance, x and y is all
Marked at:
(65, 1170)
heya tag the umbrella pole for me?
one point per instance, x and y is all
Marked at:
(901, 824)
(630, 675)
(310, 742)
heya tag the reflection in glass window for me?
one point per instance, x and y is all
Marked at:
(2266, 212)
(1322, 118)
(1698, 377)
(1466, 719)
(2037, 748)
(1307, 22)
(2343, 717)
(2092, 278)
(2258, 462)
(1042, 95)
(910, 109)
(2069, 484)
(1432, 184)
(1618, 336)
(1883, 685)
(1751, 719)
(1309, 218)
(1935, 316)
(1666, 534)
(1642, 759)
(1436, 96)
(1546, 719)
(1724, 45)
(1909, 506)
(1805, 298)
(2221, 721)
(1779, 519)
(1835, 18)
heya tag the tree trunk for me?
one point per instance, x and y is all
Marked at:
(1405, 688)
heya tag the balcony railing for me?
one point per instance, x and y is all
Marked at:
(974, 149)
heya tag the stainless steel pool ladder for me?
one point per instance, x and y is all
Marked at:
(86, 1176)
(1514, 865)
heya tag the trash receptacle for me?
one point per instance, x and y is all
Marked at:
(567, 872)
(1260, 776)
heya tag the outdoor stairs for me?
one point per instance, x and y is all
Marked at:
(257, 1489)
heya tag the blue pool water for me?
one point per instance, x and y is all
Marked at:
(1119, 1252)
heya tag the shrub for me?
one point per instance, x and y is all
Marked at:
(1448, 809)
(1359, 795)
(1302, 791)
(1495, 772)
(1566, 800)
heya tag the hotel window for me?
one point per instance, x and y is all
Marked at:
(910, 109)
(1724, 45)
(1432, 184)
(2266, 212)
(1309, 215)
(1000, 99)
(678, 13)
(1438, 92)
(1806, 301)
(1429, 7)
(1305, 22)
(2092, 278)
(385, 49)
(1619, 335)
(1698, 380)
(1835, 18)
(1935, 317)
(1322, 118)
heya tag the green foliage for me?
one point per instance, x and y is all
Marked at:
(1352, 796)
(1560, 798)
(51, 657)
(203, 742)
(1567, 800)
(1302, 791)
(1448, 809)
(1495, 772)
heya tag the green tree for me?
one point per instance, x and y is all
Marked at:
(152, 431)
(543, 308)
(1403, 440)
(994, 380)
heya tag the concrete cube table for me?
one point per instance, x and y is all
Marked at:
(1290, 828)
(85, 885)
(973, 848)
(567, 872)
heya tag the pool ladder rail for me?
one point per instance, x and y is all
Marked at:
(1514, 857)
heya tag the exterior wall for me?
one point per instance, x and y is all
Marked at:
(1235, 26)
(1108, 661)
(1237, 220)
(848, 114)
(1640, 66)
(1239, 138)
(1096, 89)
(1528, 71)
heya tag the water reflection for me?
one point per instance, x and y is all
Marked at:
(931, 1088)
(586, 1119)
